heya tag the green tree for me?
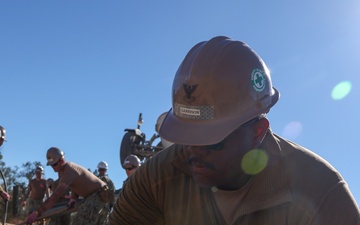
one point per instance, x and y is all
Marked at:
(28, 170)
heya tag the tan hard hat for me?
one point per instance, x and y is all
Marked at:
(220, 85)
(39, 169)
(132, 160)
(53, 155)
(102, 165)
(159, 121)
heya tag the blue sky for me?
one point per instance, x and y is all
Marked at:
(75, 74)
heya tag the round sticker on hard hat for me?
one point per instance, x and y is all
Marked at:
(258, 80)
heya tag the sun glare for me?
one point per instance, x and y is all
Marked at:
(341, 90)
(254, 161)
(292, 130)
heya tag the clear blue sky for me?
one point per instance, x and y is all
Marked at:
(75, 74)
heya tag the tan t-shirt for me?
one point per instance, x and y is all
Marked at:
(81, 180)
(229, 202)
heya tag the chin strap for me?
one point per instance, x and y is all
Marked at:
(6, 201)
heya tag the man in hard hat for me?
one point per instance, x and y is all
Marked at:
(227, 166)
(36, 192)
(49, 184)
(3, 193)
(131, 163)
(82, 182)
(102, 169)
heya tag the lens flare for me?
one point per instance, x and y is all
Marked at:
(214, 189)
(254, 161)
(292, 130)
(341, 90)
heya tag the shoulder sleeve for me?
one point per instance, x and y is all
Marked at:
(136, 203)
(338, 207)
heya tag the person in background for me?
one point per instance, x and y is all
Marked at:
(36, 192)
(102, 169)
(49, 184)
(82, 182)
(226, 165)
(3, 193)
(130, 165)
(63, 219)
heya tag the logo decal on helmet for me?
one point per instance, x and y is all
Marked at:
(189, 89)
(258, 80)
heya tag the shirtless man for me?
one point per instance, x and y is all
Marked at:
(82, 182)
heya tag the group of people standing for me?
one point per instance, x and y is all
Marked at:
(74, 183)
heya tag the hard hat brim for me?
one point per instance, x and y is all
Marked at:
(205, 132)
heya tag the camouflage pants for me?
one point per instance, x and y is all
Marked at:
(60, 220)
(89, 211)
(104, 214)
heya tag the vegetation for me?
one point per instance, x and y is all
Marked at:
(17, 179)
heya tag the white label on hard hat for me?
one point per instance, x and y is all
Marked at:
(194, 112)
(258, 80)
(191, 112)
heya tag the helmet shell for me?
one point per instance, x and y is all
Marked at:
(131, 160)
(39, 169)
(102, 165)
(53, 155)
(220, 85)
(159, 121)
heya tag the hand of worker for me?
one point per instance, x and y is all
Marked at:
(71, 203)
(5, 195)
(32, 217)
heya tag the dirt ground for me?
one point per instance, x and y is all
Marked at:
(13, 221)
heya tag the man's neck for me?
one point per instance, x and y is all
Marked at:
(241, 182)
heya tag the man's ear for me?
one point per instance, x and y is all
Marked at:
(260, 129)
